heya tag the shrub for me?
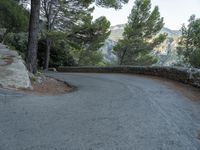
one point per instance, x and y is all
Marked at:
(194, 58)
(17, 41)
(2, 33)
(60, 54)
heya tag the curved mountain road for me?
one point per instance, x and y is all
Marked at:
(106, 112)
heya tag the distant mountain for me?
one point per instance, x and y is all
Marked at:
(117, 32)
(166, 52)
(171, 33)
(107, 51)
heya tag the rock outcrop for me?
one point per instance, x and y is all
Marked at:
(13, 73)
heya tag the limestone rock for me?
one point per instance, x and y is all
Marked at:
(13, 72)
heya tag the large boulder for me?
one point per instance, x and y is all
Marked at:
(13, 72)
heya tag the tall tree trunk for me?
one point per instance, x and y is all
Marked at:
(47, 54)
(122, 57)
(48, 40)
(31, 59)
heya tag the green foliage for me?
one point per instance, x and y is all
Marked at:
(2, 33)
(74, 18)
(194, 58)
(17, 41)
(13, 17)
(75, 38)
(140, 35)
(117, 4)
(145, 59)
(189, 46)
(64, 15)
(60, 54)
(90, 58)
(87, 39)
(67, 50)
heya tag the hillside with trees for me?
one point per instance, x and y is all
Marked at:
(51, 33)
(189, 45)
(139, 36)
(166, 52)
(60, 33)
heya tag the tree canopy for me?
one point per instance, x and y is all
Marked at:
(117, 4)
(88, 39)
(189, 45)
(62, 22)
(13, 17)
(140, 35)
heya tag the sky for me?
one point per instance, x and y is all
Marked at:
(175, 12)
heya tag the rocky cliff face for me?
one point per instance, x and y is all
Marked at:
(107, 51)
(166, 52)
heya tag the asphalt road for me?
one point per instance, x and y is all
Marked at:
(106, 112)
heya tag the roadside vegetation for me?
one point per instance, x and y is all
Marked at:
(189, 45)
(51, 33)
(67, 34)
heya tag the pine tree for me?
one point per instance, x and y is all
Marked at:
(117, 4)
(140, 35)
(189, 45)
(88, 39)
(13, 17)
(62, 15)
(31, 59)
(32, 47)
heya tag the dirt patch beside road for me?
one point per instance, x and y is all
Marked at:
(49, 86)
(189, 91)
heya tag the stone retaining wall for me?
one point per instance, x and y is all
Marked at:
(184, 75)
